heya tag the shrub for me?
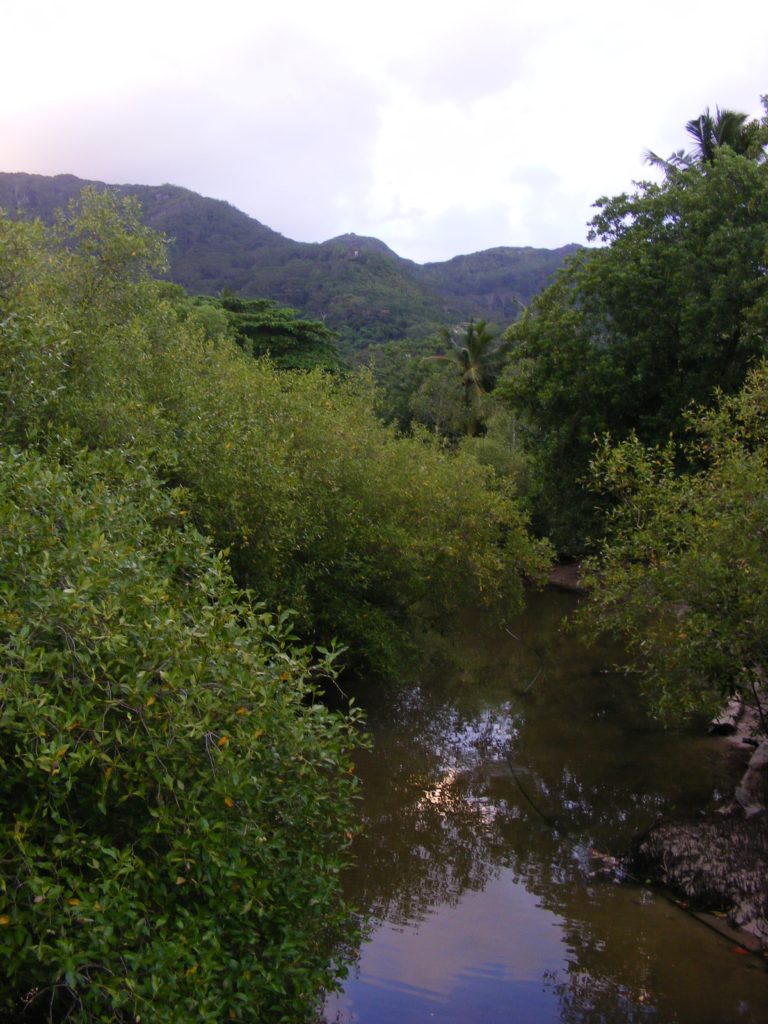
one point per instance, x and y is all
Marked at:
(322, 507)
(176, 801)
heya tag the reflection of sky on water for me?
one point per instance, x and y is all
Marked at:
(497, 940)
(490, 806)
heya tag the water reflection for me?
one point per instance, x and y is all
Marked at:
(498, 787)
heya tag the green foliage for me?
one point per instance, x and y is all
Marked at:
(441, 382)
(683, 575)
(322, 507)
(439, 403)
(671, 307)
(356, 286)
(400, 368)
(709, 133)
(502, 447)
(175, 800)
(264, 328)
(478, 356)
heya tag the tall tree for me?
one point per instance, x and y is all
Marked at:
(478, 354)
(263, 327)
(674, 304)
(730, 128)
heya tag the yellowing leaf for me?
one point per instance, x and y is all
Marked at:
(229, 801)
(180, 880)
(152, 700)
(74, 902)
(223, 741)
(4, 920)
(243, 711)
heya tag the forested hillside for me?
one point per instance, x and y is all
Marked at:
(357, 285)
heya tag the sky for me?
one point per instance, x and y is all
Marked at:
(439, 127)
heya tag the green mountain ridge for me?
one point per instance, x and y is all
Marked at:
(356, 284)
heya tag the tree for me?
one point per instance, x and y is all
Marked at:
(321, 507)
(683, 574)
(727, 128)
(478, 354)
(672, 306)
(265, 328)
(176, 798)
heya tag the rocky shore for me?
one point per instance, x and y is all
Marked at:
(718, 864)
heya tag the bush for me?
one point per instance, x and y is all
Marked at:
(322, 508)
(176, 802)
(683, 575)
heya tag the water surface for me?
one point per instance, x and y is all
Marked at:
(502, 779)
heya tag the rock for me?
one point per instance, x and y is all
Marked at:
(752, 791)
(727, 721)
(566, 576)
(718, 864)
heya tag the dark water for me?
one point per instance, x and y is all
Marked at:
(500, 781)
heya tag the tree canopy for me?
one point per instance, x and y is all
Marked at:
(176, 801)
(683, 574)
(673, 304)
(478, 355)
(710, 132)
(264, 328)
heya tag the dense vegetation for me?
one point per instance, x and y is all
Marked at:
(355, 285)
(190, 528)
(176, 798)
(264, 328)
(684, 573)
(670, 307)
(661, 338)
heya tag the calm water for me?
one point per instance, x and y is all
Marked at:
(499, 780)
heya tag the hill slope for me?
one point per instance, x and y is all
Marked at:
(357, 285)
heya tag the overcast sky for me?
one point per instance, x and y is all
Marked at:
(439, 127)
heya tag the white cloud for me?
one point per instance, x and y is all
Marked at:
(440, 128)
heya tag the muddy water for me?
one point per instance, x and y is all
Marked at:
(502, 780)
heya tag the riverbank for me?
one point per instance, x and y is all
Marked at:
(718, 864)
(566, 576)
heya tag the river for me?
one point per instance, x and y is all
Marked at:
(502, 779)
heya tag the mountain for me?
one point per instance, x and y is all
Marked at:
(356, 284)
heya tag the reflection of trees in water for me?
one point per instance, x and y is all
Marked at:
(446, 805)
(429, 831)
(478, 771)
(586, 999)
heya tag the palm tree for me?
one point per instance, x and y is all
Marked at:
(727, 128)
(478, 355)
